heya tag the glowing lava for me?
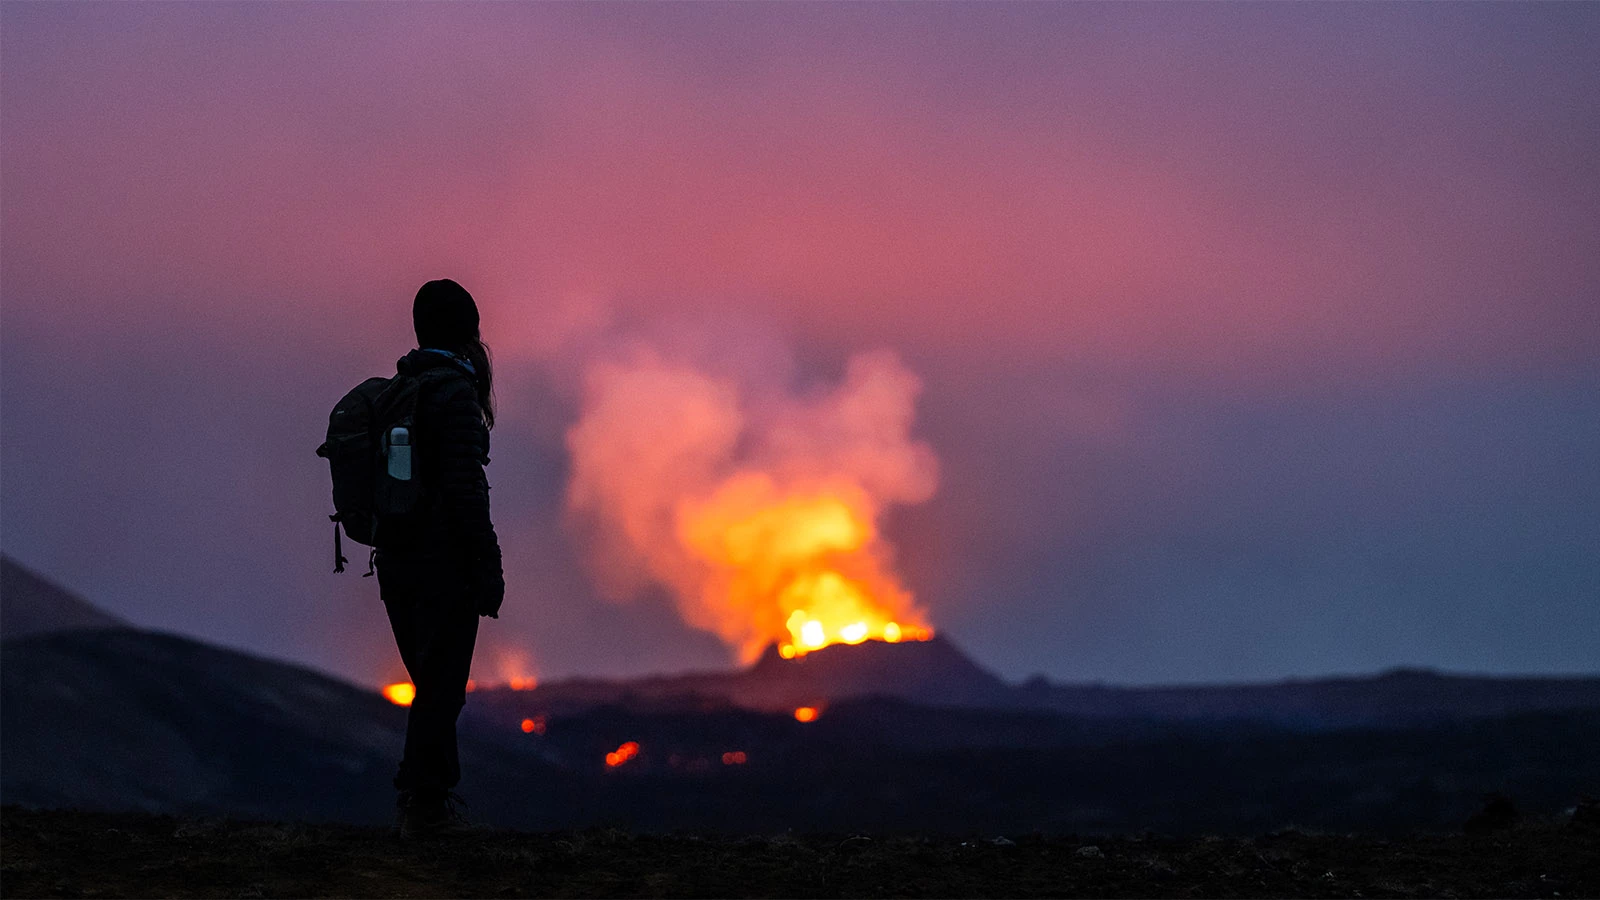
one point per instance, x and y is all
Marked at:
(758, 507)
(514, 668)
(810, 556)
(622, 754)
(401, 693)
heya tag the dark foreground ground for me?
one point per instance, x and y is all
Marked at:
(75, 854)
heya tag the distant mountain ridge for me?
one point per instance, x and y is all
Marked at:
(117, 718)
(29, 605)
(937, 673)
(1393, 698)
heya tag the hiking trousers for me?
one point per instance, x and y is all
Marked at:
(435, 626)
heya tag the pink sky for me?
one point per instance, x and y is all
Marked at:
(1069, 220)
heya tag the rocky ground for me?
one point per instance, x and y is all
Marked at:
(77, 854)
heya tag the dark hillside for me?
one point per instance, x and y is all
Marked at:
(31, 605)
(937, 673)
(122, 719)
(1394, 698)
(888, 766)
(125, 719)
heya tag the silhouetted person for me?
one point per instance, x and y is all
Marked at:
(441, 570)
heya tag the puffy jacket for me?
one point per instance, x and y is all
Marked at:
(452, 447)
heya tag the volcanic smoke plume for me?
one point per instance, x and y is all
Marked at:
(758, 510)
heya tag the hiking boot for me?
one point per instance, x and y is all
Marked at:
(401, 801)
(436, 816)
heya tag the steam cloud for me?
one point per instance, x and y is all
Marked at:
(757, 510)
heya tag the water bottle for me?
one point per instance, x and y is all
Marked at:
(400, 453)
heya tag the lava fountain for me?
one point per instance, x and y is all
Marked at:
(401, 693)
(758, 510)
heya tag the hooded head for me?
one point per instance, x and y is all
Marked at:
(446, 318)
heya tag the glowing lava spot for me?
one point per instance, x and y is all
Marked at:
(401, 693)
(735, 758)
(534, 725)
(514, 668)
(806, 714)
(622, 754)
(758, 509)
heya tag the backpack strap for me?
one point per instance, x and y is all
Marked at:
(338, 546)
(372, 555)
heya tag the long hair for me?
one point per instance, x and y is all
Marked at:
(476, 352)
(446, 318)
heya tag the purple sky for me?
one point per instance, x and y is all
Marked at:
(1255, 340)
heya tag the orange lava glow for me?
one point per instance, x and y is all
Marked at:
(735, 758)
(622, 754)
(804, 564)
(760, 513)
(534, 725)
(513, 668)
(401, 693)
(805, 714)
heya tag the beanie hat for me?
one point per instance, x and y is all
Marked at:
(444, 315)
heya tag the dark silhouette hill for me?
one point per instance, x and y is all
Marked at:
(910, 738)
(933, 672)
(164, 723)
(938, 673)
(122, 719)
(29, 604)
(1393, 698)
(126, 719)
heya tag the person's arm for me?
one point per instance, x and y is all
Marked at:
(464, 491)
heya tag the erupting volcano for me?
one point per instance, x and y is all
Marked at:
(776, 554)
(758, 509)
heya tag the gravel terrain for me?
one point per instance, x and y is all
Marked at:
(76, 854)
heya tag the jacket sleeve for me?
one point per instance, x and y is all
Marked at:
(464, 490)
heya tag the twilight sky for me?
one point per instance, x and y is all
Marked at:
(1254, 340)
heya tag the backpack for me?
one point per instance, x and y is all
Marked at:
(371, 452)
